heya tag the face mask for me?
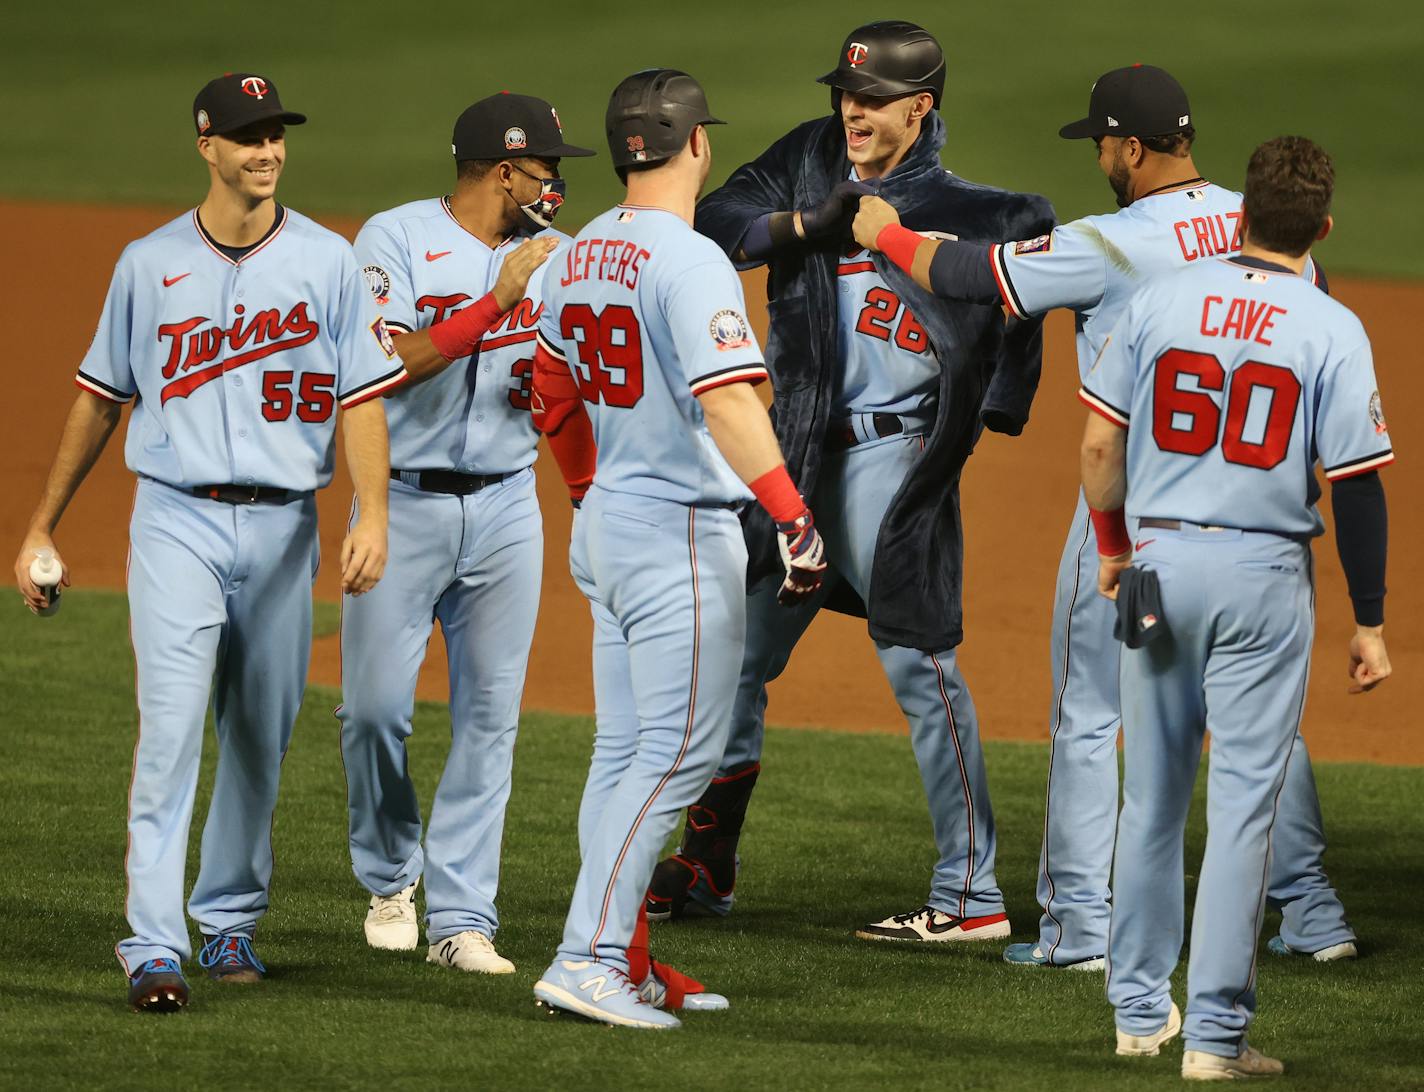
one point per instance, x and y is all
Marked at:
(539, 213)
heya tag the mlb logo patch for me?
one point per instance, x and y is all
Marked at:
(1256, 278)
(1196, 195)
(1042, 245)
(626, 215)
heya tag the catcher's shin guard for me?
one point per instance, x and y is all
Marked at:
(706, 862)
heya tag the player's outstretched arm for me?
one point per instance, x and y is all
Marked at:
(775, 231)
(742, 431)
(368, 458)
(947, 268)
(90, 423)
(426, 353)
(1104, 465)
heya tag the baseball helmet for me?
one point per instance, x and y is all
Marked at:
(651, 115)
(888, 58)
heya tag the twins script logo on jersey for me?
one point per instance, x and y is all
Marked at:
(191, 348)
(729, 330)
(857, 54)
(255, 86)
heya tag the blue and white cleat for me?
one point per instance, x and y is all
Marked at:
(670, 990)
(158, 986)
(598, 992)
(228, 957)
(1033, 955)
(1345, 950)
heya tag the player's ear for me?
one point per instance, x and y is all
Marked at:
(922, 105)
(699, 143)
(1326, 228)
(207, 151)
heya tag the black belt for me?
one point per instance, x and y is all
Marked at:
(243, 494)
(451, 481)
(840, 435)
(1176, 524)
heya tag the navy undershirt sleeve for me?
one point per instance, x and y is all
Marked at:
(1362, 537)
(961, 271)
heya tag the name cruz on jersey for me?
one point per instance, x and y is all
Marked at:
(887, 365)
(1238, 376)
(238, 365)
(647, 315)
(422, 267)
(1095, 264)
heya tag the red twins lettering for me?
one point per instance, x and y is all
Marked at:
(191, 346)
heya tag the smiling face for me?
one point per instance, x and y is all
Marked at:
(879, 131)
(247, 161)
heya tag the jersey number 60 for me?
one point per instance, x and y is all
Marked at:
(610, 352)
(1200, 417)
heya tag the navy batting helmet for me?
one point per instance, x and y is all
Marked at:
(652, 113)
(888, 58)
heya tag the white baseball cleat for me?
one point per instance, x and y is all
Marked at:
(599, 992)
(391, 922)
(1198, 1065)
(1344, 950)
(929, 924)
(1148, 1046)
(469, 951)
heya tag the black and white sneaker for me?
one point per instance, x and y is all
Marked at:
(929, 924)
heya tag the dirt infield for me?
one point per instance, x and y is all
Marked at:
(1018, 496)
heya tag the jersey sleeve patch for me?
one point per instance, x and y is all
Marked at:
(103, 390)
(383, 338)
(1042, 245)
(379, 282)
(740, 373)
(729, 330)
(1006, 285)
(375, 388)
(1103, 407)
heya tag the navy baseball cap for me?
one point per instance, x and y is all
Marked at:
(506, 126)
(237, 99)
(1141, 100)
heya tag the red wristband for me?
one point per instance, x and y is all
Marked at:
(1111, 531)
(460, 334)
(776, 492)
(899, 243)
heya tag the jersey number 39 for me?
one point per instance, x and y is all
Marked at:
(1189, 421)
(610, 353)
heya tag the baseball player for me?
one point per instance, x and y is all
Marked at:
(646, 356)
(1213, 399)
(1170, 218)
(452, 279)
(236, 330)
(879, 395)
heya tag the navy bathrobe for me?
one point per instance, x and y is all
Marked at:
(988, 371)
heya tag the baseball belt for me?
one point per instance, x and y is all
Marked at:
(447, 481)
(243, 494)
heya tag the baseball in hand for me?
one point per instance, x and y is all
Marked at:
(874, 215)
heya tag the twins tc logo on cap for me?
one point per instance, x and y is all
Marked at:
(514, 138)
(557, 123)
(856, 54)
(729, 330)
(255, 86)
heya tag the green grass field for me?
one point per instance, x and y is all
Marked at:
(838, 836)
(97, 94)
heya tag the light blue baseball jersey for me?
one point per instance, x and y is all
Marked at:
(1094, 265)
(1238, 376)
(238, 366)
(422, 267)
(887, 364)
(648, 315)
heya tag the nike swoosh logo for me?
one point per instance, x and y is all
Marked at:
(429, 257)
(1143, 543)
(169, 282)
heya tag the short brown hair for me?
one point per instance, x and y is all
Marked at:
(1178, 144)
(1289, 183)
